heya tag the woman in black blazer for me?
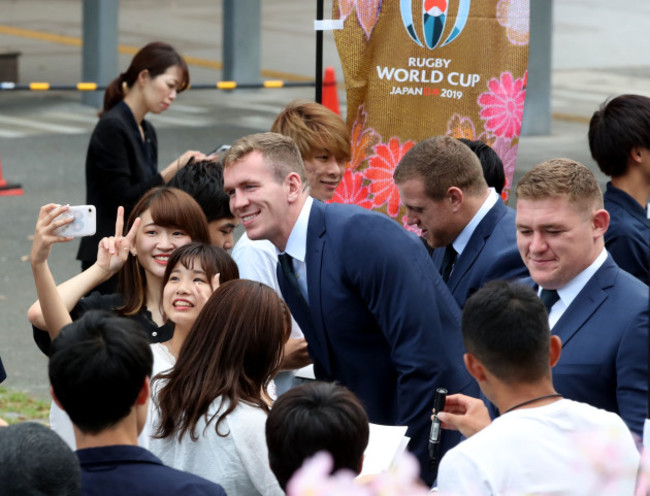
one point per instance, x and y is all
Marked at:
(122, 159)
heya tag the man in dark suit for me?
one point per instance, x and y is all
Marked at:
(599, 311)
(444, 191)
(376, 315)
(619, 140)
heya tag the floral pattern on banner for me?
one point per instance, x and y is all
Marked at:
(362, 140)
(507, 152)
(463, 127)
(367, 13)
(351, 190)
(380, 174)
(502, 107)
(514, 15)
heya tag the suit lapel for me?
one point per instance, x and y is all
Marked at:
(476, 243)
(586, 303)
(314, 259)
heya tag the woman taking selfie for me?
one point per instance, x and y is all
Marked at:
(122, 158)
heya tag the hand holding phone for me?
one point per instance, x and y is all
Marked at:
(84, 223)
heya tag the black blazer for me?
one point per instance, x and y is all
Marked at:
(118, 171)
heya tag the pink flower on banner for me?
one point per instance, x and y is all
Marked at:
(367, 13)
(502, 107)
(411, 227)
(507, 152)
(351, 190)
(380, 174)
(514, 16)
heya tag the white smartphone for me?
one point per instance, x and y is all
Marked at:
(84, 223)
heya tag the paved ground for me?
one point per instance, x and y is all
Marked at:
(598, 52)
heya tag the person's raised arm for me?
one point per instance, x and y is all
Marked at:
(168, 172)
(111, 255)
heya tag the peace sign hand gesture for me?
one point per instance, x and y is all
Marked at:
(113, 251)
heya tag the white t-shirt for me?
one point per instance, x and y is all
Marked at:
(257, 260)
(238, 462)
(563, 448)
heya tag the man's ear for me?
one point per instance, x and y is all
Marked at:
(455, 197)
(554, 350)
(55, 399)
(600, 222)
(474, 366)
(145, 392)
(295, 186)
(636, 155)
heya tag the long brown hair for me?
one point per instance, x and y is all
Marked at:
(232, 352)
(156, 57)
(169, 207)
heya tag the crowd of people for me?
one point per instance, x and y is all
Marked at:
(172, 362)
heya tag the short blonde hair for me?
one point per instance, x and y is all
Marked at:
(561, 177)
(314, 127)
(280, 153)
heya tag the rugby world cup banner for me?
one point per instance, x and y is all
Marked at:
(420, 68)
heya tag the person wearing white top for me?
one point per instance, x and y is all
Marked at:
(541, 443)
(213, 404)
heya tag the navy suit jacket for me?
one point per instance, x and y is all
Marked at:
(124, 469)
(491, 253)
(628, 236)
(604, 334)
(381, 320)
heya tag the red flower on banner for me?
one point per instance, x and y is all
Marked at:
(507, 152)
(367, 13)
(351, 190)
(502, 107)
(362, 139)
(380, 174)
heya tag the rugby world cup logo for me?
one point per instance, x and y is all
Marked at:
(434, 19)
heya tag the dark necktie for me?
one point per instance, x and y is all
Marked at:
(448, 262)
(549, 297)
(286, 263)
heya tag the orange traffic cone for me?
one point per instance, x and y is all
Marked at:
(7, 189)
(330, 96)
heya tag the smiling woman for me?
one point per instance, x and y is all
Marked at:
(122, 159)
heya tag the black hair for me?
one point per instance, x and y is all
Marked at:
(35, 461)
(615, 128)
(312, 417)
(492, 165)
(97, 367)
(505, 326)
(203, 181)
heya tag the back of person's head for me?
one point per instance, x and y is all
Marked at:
(212, 259)
(203, 181)
(280, 154)
(616, 128)
(561, 178)
(505, 326)
(314, 127)
(156, 58)
(232, 352)
(442, 162)
(492, 165)
(97, 367)
(169, 207)
(312, 417)
(35, 461)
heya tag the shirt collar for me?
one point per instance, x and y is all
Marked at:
(297, 242)
(569, 291)
(117, 453)
(462, 239)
